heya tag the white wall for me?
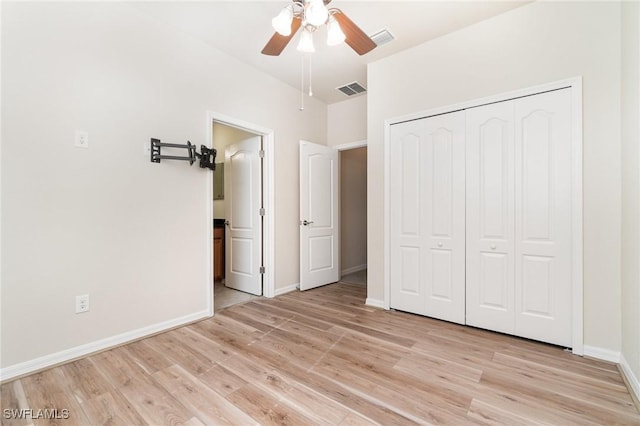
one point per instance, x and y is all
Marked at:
(534, 44)
(353, 209)
(631, 189)
(105, 221)
(347, 121)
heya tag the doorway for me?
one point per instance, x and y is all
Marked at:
(231, 204)
(353, 214)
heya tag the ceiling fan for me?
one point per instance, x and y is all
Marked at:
(311, 14)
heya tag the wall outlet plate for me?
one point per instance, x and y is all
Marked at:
(82, 139)
(82, 303)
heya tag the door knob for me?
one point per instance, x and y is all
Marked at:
(307, 222)
(493, 246)
(439, 244)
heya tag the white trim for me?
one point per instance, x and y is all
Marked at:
(350, 145)
(353, 269)
(577, 280)
(376, 303)
(268, 288)
(208, 229)
(601, 353)
(287, 289)
(340, 148)
(387, 214)
(577, 284)
(67, 355)
(631, 378)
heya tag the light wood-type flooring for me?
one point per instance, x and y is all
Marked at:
(323, 357)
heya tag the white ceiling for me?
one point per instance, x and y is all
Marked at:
(242, 28)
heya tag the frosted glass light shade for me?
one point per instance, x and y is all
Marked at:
(282, 22)
(316, 13)
(306, 42)
(334, 32)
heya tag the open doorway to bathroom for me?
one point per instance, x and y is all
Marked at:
(224, 138)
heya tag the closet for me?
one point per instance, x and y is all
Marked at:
(480, 216)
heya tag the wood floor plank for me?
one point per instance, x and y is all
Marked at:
(148, 358)
(265, 409)
(207, 405)
(308, 402)
(487, 414)
(323, 357)
(13, 398)
(85, 381)
(222, 380)
(48, 391)
(111, 408)
(553, 398)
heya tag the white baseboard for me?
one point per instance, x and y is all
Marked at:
(374, 302)
(353, 269)
(632, 379)
(67, 355)
(601, 353)
(287, 289)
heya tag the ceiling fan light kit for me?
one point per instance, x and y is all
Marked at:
(335, 35)
(306, 42)
(310, 15)
(282, 22)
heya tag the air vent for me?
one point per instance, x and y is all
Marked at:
(382, 37)
(351, 89)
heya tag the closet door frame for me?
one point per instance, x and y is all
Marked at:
(575, 84)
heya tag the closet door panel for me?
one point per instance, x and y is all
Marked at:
(407, 290)
(543, 217)
(444, 216)
(490, 217)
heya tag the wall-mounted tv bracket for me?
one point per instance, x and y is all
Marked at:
(207, 156)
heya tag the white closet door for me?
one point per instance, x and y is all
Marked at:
(490, 217)
(543, 217)
(427, 217)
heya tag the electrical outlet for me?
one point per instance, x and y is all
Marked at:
(82, 303)
(82, 139)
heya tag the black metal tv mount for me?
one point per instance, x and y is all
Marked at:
(207, 156)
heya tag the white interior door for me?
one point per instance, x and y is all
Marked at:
(490, 217)
(243, 198)
(543, 217)
(319, 243)
(427, 193)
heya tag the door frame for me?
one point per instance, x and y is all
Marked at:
(346, 147)
(268, 180)
(577, 272)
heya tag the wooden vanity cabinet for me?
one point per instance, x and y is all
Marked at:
(218, 253)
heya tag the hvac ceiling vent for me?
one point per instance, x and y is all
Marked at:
(351, 89)
(382, 37)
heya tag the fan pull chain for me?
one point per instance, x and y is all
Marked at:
(302, 83)
(310, 90)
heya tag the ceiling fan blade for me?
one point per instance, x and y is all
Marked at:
(278, 42)
(355, 37)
